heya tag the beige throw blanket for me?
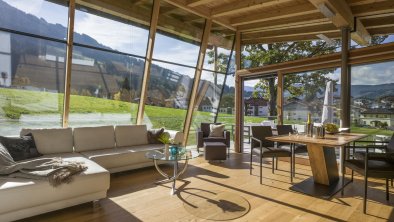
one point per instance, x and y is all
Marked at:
(55, 170)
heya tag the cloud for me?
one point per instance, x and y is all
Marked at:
(119, 36)
(373, 74)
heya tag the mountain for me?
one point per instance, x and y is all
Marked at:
(372, 91)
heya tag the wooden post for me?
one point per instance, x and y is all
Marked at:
(197, 77)
(345, 78)
(148, 61)
(69, 56)
(238, 96)
(279, 98)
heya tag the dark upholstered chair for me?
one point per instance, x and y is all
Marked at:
(203, 136)
(297, 148)
(371, 164)
(264, 148)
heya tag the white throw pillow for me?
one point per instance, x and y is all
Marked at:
(216, 130)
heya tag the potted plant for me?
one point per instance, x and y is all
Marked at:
(331, 128)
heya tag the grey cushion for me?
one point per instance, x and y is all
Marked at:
(216, 130)
(154, 134)
(20, 148)
(93, 138)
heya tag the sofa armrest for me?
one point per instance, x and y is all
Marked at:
(227, 137)
(199, 137)
(177, 136)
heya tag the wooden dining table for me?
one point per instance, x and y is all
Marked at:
(326, 181)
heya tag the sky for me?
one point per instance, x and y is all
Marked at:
(132, 39)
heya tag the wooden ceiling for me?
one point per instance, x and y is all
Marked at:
(268, 21)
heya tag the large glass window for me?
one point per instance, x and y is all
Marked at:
(124, 34)
(372, 104)
(305, 93)
(226, 112)
(31, 83)
(108, 62)
(38, 17)
(207, 101)
(258, 55)
(31, 68)
(216, 62)
(105, 87)
(175, 55)
(168, 95)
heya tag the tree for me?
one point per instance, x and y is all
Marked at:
(296, 85)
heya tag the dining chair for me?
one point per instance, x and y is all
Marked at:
(359, 151)
(297, 148)
(373, 165)
(264, 148)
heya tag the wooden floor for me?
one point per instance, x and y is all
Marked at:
(133, 196)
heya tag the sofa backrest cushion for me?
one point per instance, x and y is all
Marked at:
(50, 141)
(93, 138)
(131, 135)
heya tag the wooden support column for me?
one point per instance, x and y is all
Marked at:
(197, 77)
(148, 60)
(279, 98)
(69, 56)
(238, 96)
(345, 78)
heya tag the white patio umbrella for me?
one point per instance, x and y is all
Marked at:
(327, 116)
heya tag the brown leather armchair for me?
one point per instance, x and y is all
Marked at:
(203, 136)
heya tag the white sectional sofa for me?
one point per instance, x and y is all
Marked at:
(104, 149)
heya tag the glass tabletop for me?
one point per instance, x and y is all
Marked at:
(183, 154)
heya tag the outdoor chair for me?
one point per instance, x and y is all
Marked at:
(297, 148)
(264, 148)
(375, 165)
(203, 136)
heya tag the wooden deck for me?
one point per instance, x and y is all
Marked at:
(134, 196)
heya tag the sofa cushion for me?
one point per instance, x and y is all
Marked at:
(123, 156)
(49, 141)
(216, 130)
(15, 191)
(154, 135)
(176, 136)
(20, 148)
(93, 138)
(131, 135)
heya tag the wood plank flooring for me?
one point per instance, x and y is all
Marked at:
(133, 196)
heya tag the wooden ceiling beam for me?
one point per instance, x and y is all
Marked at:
(244, 6)
(361, 34)
(280, 13)
(299, 21)
(200, 11)
(299, 25)
(381, 31)
(373, 9)
(313, 30)
(280, 39)
(363, 2)
(194, 3)
(379, 22)
(342, 16)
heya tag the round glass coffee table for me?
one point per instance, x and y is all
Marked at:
(183, 154)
